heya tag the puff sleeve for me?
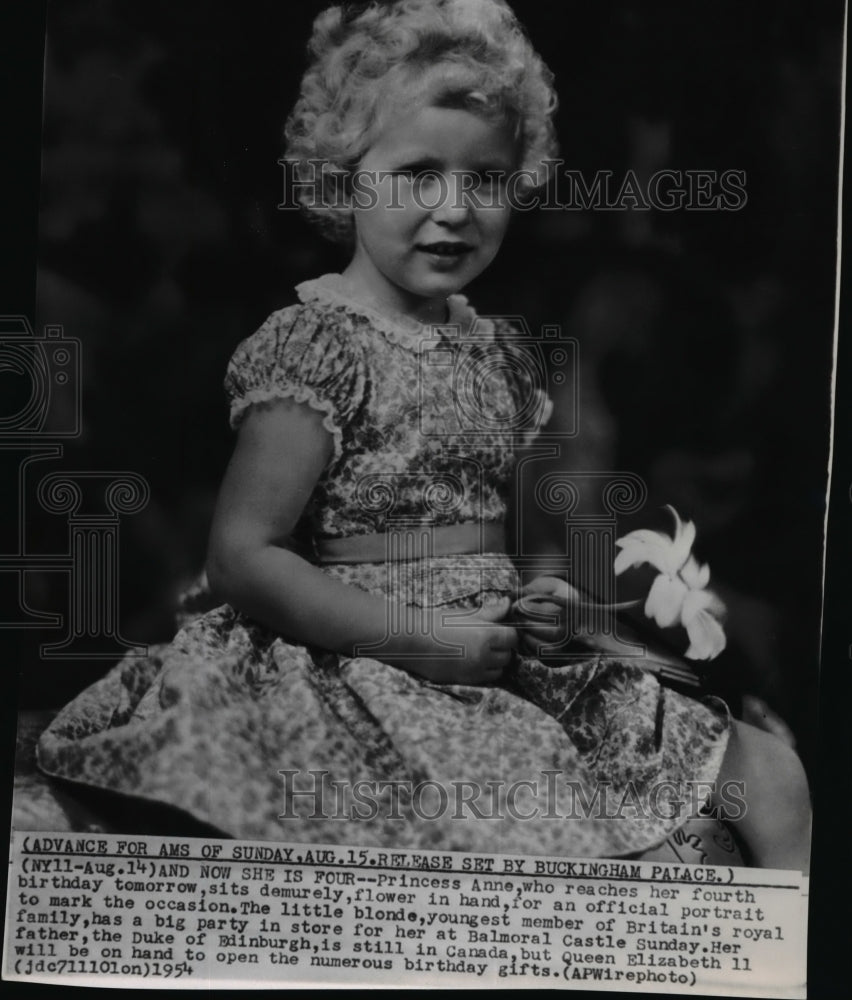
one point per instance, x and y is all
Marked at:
(297, 354)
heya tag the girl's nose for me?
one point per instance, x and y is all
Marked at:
(451, 206)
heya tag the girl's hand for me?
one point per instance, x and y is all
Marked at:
(489, 645)
(542, 611)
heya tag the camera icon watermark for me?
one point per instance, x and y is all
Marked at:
(41, 394)
(497, 374)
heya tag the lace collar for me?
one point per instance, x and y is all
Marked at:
(334, 290)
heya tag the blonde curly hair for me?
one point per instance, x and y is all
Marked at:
(368, 60)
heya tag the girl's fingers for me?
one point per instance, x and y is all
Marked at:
(549, 585)
(500, 660)
(545, 635)
(494, 612)
(539, 608)
(541, 585)
(534, 641)
(505, 640)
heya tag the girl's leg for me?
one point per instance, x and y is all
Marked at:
(776, 823)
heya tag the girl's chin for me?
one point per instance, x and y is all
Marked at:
(441, 283)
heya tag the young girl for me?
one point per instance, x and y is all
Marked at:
(363, 665)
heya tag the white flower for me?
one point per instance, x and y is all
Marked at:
(678, 595)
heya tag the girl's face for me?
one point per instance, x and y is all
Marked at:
(428, 218)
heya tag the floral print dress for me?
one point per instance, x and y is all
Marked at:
(259, 736)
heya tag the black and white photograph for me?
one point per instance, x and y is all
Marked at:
(416, 456)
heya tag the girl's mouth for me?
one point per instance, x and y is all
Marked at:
(446, 248)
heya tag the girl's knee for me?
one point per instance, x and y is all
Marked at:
(770, 764)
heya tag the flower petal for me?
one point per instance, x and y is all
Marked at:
(706, 637)
(694, 575)
(629, 557)
(677, 520)
(645, 546)
(644, 536)
(701, 600)
(665, 600)
(684, 539)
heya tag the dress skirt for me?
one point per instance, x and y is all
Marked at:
(260, 737)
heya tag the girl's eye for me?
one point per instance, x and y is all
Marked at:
(414, 172)
(488, 180)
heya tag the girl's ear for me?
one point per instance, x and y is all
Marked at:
(338, 197)
(336, 187)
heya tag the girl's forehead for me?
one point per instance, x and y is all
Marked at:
(406, 90)
(444, 132)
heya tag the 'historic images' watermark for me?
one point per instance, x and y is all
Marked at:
(316, 184)
(551, 794)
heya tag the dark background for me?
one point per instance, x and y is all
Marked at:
(161, 248)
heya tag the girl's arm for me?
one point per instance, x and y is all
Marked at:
(281, 451)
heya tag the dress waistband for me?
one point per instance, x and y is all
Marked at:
(415, 542)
